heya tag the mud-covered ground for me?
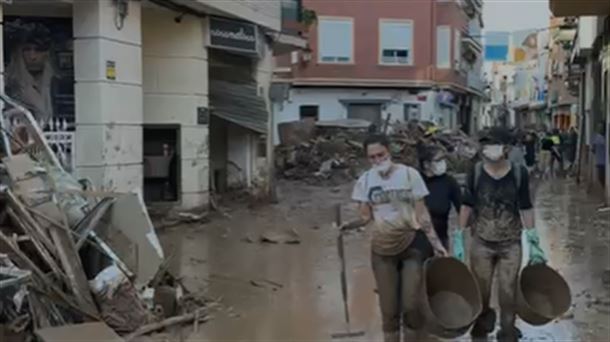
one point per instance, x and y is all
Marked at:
(291, 292)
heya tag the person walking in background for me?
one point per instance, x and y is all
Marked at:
(530, 144)
(497, 195)
(598, 148)
(571, 146)
(516, 153)
(391, 196)
(444, 190)
(546, 156)
(556, 154)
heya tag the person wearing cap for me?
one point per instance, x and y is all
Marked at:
(497, 199)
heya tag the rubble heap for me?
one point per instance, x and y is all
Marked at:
(335, 155)
(73, 260)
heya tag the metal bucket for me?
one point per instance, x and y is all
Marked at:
(452, 301)
(543, 294)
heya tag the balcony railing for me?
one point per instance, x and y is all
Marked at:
(292, 17)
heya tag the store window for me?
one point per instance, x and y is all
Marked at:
(39, 68)
(443, 47)
(396, 42)
(336, 40)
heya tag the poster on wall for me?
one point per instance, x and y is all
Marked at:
(39, 67)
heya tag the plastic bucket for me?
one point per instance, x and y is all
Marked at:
(452, 301)
(543, 294)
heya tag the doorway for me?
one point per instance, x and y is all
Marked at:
(161, 167)
(370, 112)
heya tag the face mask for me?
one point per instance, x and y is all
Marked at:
(438, 168)
(384, 166)
(493, 152)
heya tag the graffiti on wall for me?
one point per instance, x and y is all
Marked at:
(39, 67)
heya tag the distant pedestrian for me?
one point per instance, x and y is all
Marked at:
(598, 147)
(444, 190)
(556, 152)
(571, 146)
(516, 152)
(546, 156)
(530, 144)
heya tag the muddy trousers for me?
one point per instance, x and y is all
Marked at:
(503, 258)
(399, 282)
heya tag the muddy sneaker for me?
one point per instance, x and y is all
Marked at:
(484, 325)
(506, 336)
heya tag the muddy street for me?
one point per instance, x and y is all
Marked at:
(291, 291)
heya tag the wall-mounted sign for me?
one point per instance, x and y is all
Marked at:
(111, 70)
(233, 35)
(203, 116)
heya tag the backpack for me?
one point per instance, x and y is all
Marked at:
(478, 170)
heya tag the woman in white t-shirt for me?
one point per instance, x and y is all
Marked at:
(391, 196)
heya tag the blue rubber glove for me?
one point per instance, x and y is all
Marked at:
(536, 255)
(457, 242)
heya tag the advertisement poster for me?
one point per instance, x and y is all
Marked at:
(39, 67)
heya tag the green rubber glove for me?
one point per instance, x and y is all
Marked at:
(536, 253)
(457, 242)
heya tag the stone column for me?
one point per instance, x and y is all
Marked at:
(175, 86)
(109, 110)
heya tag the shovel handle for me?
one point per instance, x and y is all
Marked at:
(338, 215)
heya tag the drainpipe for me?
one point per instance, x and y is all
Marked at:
(433, 41)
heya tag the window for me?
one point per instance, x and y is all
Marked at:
(309, 112)
(412, 111)
(443, 47)
(396, 42)
(335, 40)
(457, 49)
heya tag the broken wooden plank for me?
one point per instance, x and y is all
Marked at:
(198, 314)
(36, 231)
(42, 250)
(43, 280)
(70, 260)
(91, 221)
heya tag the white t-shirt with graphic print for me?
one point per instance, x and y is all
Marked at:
(392, 201)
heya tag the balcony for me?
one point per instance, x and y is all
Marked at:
(294, 28)
(564, 8)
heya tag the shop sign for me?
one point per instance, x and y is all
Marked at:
(203, 116)
(233, 35)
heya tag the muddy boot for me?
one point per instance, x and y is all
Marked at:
(484, 325)
(410, 335)
(391, 336)
(508, 336)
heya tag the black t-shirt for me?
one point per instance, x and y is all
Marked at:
(496, 204)
(443, 191)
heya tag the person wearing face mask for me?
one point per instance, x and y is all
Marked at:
(498, 199)
(444, 190)
(390, 196)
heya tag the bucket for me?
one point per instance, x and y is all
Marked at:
(452, 301)
(543, 295)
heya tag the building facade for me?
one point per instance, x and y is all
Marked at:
(403, 60)
(153, 91)
(589, 71)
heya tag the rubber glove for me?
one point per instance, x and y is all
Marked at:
(457, 241)
(536, 253)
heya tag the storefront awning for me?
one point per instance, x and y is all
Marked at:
(239, 103)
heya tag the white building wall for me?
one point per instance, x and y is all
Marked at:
(108, 112)
(175, 85)
(265, 13)
(331, 107)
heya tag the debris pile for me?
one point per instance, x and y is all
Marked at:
(72, 259)
(333, 153)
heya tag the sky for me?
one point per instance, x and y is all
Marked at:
(514, 15)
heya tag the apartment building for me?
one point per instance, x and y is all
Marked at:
(165, 96)
(398, 59)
